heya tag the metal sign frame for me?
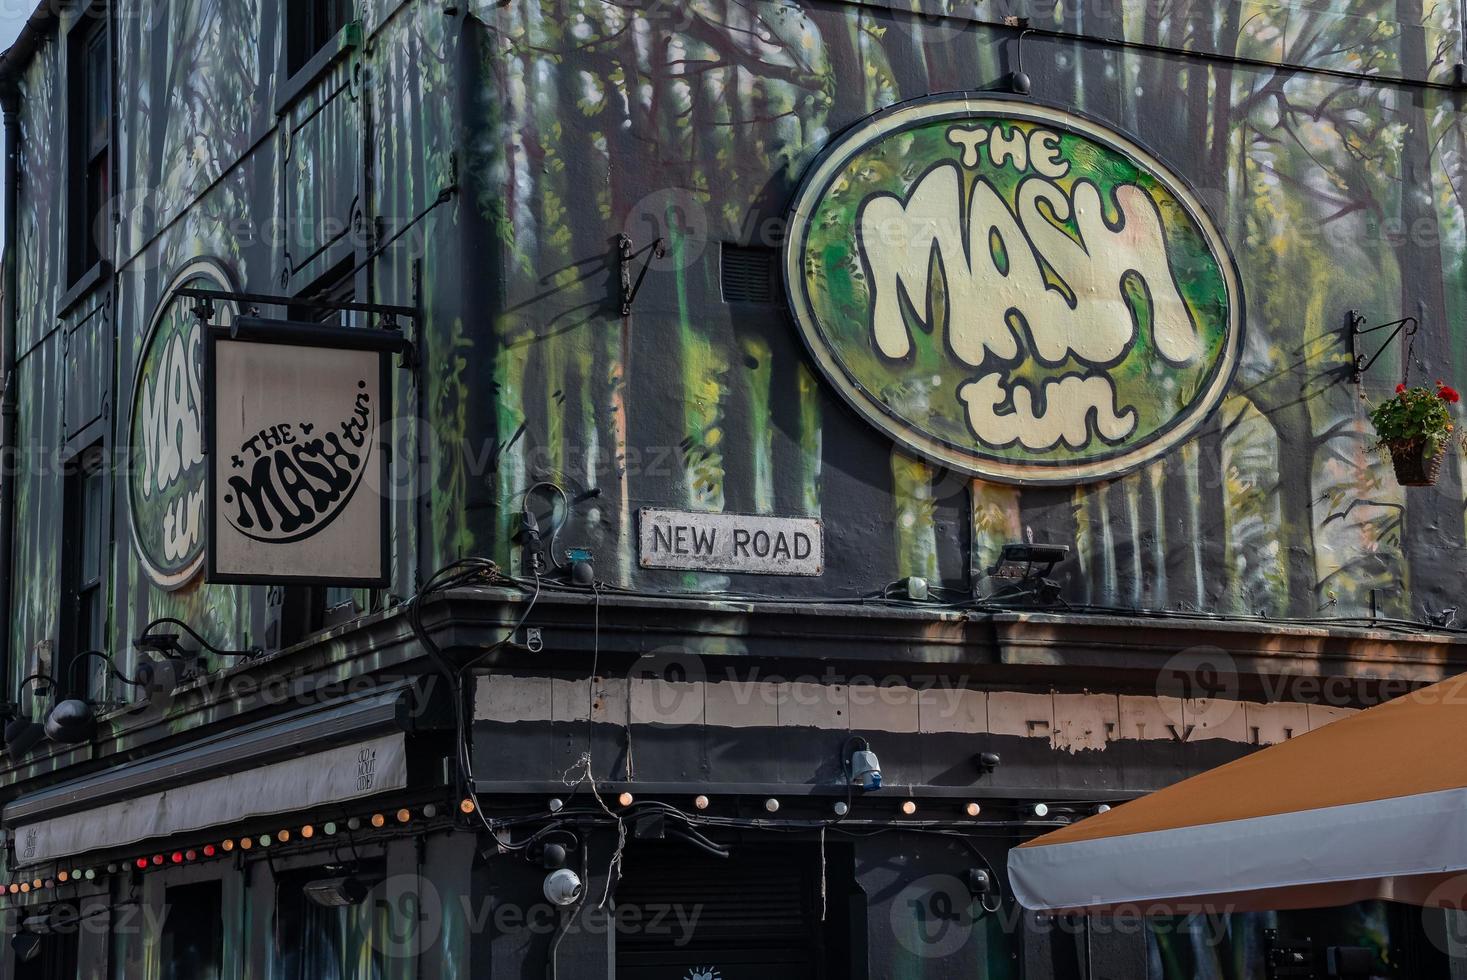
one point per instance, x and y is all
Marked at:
(254, 329)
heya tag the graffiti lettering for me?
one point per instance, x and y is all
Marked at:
(295, 487)
(1069, 403)
(173, 416)
(1005, 272)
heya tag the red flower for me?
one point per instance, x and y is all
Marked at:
(1447, 393)
(1400, 389)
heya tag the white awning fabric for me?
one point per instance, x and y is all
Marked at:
(339, 775)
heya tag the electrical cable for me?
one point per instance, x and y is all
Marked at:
(555, 525)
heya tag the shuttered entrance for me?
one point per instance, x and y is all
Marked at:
(754, 916)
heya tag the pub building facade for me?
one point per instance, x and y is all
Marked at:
(594, 488)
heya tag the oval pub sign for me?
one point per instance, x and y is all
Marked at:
(166, 473)
(1012, 290)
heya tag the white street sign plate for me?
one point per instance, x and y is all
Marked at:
(746, 543)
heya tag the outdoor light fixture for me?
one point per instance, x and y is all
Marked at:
(335, 893)
(379, 821)
(467, 806)
(1017, 81)
(863, 769)
(430, 811)
(167, 645)
(909, 808)
(556, 805)
(972, 809)
(71, 722)
(1025, 570)
(21, 733)
(553, 857)
(700, 802)
(1102, 808)
(1039, 809)
(74, 720)
(404, 815)
(841, 808)
(625, 799)
(772, 805)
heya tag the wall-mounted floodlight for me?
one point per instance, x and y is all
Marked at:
(1024, 570)
(863, 769)
(337, 892)
(74, 720)
(21, 733)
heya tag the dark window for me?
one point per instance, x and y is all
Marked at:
(312, 25)
(193, 932)
(90, 142)
(84, 580)
(314, 941)
(52, 956)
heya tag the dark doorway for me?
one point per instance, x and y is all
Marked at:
(757, 915)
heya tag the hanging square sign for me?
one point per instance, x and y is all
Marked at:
(296, 466)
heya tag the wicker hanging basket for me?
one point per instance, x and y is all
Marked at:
(1413, 467)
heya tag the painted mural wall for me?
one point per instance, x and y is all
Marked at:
(495, 154)
(697, 123)
(499, 153)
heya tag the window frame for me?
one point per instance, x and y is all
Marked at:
(85, 616)
(297, 77)
(90, 160)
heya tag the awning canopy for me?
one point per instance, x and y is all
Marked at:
(329, 754)
(1371, 806)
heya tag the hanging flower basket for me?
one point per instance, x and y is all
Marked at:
(1414, 467)
(1416, 426)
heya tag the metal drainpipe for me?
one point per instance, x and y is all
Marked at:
(9, 410)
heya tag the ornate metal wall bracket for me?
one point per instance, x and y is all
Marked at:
(630, 289)
(1358, 329)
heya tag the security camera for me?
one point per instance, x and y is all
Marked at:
(563, 887)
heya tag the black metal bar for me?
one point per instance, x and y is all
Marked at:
(630, 289)
(260, 299)
(1363, 363)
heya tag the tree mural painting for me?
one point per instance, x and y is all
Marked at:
(515, 141)
(1277, 507)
